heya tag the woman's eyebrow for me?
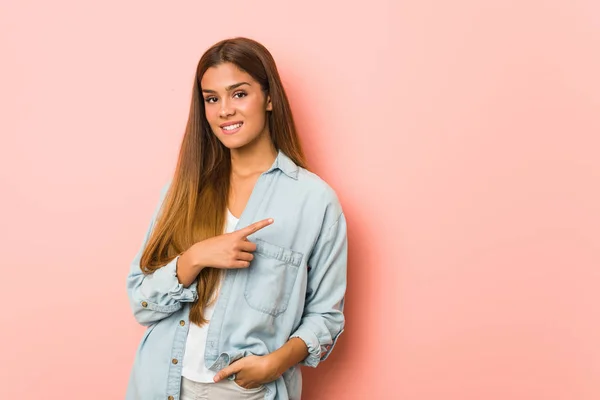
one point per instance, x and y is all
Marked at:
(228, 88)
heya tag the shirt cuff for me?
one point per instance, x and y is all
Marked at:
(312, 343)
(166, 279)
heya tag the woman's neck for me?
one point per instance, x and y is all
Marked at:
(254, 158)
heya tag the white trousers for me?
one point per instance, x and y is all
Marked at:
(222, 390)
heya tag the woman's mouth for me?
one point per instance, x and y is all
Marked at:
(230, 129)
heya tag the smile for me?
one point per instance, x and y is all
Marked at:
(232, 127)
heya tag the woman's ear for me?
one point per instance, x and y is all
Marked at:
(269, 104)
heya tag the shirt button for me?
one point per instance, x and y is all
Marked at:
(144, 304)
(174, 361)
(170, 398)
(182, 322)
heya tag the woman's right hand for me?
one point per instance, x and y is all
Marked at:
(230, 250)
(227, 251)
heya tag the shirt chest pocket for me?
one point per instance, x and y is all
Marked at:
(271, 277)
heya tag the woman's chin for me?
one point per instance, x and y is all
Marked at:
(236, 142)
(233, 143)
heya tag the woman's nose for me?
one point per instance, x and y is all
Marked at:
(226, 110)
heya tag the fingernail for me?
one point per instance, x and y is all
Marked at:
(270, 220)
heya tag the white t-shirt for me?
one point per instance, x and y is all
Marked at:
(193, 360)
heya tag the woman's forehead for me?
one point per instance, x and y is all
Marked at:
(223, 76)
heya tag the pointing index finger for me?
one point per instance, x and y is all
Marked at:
(255, 227)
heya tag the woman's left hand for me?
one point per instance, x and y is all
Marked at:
(252, 371)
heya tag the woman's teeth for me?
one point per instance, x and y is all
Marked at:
(232, 127)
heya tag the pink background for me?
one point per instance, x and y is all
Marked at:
(462, 138)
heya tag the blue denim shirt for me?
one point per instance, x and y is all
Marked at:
(294, 287)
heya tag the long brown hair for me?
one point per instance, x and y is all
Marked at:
(196, 201)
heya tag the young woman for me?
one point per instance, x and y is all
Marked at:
(242, 274)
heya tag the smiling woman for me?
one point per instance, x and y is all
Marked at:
(237, 112)
(242, 274)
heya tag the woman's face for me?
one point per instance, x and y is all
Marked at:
(235, 105)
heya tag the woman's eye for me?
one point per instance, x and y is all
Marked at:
(210, 99)
(239, 95)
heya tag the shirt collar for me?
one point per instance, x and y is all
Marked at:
(285, 164)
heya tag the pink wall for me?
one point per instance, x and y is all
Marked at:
(462, 138)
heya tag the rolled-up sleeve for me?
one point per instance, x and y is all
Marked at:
(156, 296)
(323, 318)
